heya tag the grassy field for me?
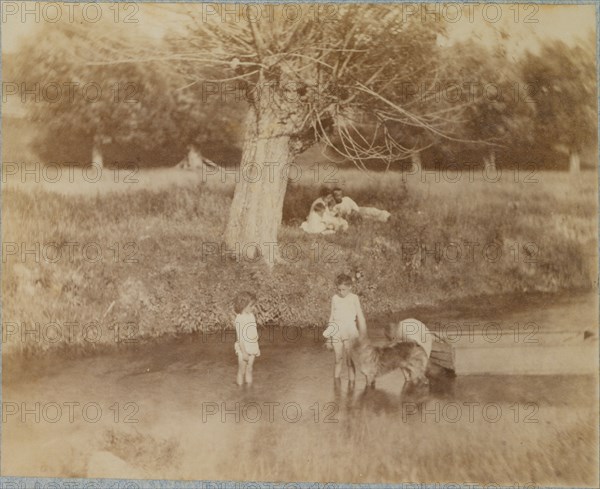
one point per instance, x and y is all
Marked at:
(143, 259)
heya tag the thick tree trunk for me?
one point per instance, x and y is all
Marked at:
(97, 159)
(256, 209)
(417, 163)
(574, 161)
(489, 163)
(273, 139)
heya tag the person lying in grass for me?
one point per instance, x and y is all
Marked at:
(346, 208)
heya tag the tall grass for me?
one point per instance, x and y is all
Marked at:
(538, 236)
(390, 448)
(364, 449)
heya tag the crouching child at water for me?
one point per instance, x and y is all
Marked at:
(246, 345)
(412, 331)
(346, 324)
(440, 354)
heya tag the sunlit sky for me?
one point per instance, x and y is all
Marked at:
(566, 22)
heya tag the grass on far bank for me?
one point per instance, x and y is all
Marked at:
(161, 270)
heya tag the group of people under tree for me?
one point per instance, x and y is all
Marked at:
(333, 211)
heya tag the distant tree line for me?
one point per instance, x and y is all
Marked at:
(481, 108)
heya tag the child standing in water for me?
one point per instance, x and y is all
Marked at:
(246, 346)
(346, 323)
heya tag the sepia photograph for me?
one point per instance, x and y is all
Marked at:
(282, 245)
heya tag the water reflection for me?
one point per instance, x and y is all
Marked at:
(362, 399)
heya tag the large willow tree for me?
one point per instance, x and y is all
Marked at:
(331, 73)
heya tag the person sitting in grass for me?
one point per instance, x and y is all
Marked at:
(317, 221)
(322, 221)
(246, 346)
(332, 216)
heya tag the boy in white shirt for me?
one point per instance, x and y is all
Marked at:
(346, 324)
(345, 206)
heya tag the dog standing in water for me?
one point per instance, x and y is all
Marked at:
(409, 357)
(409, 350)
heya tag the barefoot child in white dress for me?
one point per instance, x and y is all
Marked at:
(346, 323)
(246, 346)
